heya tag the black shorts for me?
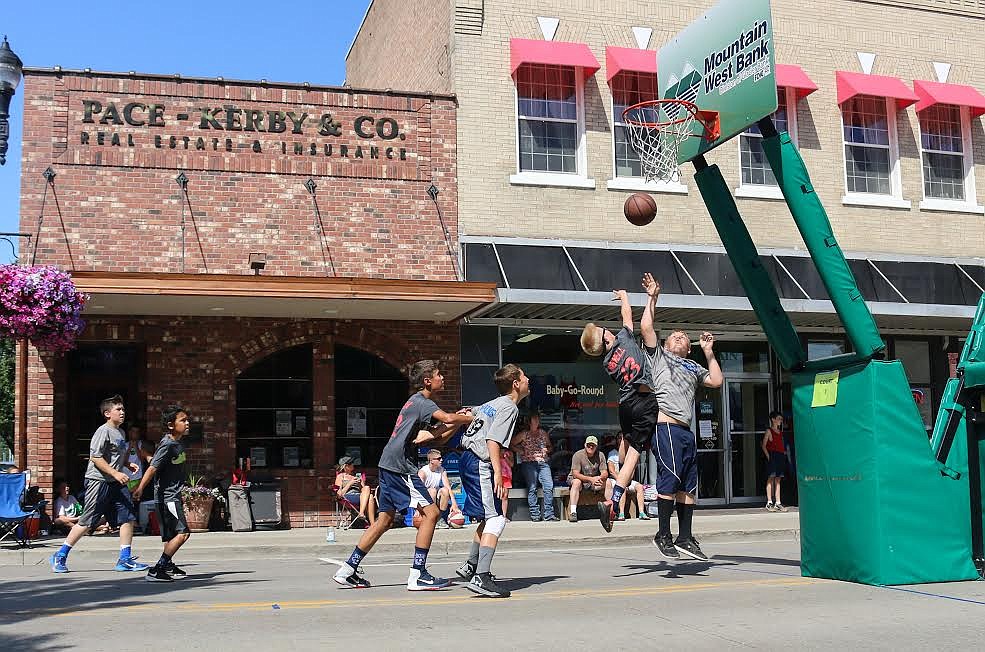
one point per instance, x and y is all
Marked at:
(638, 418)
(171, 517)
(777, 466)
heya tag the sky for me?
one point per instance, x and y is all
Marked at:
(248, 39)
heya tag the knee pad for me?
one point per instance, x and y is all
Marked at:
(495, 526)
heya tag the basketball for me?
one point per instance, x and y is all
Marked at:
(640, 209)
(456, 520)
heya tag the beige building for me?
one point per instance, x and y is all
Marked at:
(883, 99)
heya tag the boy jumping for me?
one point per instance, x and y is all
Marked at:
(626, 364)
(167, 469)
(482, 476)
(106, 491)
(400, 487)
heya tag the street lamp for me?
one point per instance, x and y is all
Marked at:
(11, 68)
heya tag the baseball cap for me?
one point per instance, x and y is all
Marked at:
(592, 439)
(345, 460)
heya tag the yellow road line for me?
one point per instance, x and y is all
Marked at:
(436, 598)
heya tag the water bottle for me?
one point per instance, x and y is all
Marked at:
(330, 537)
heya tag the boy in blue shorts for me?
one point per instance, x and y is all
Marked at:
(482, 476)
(106, 491)
(626, 364)
(167, 470)
(400, 488)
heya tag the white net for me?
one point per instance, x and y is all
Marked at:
(656, 131)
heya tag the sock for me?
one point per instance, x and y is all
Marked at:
(617, 493)
(356, 557)
(474, 553)
(164, 561)
(64, 550)
(485, 559)
(124, 552)
(420, 558)
(684, 514)
(665, 508)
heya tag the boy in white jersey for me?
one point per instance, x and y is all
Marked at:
(482, 476)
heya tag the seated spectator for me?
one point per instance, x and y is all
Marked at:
(633, 488)
(435, 478)
(66, 510)
(352, 486)
(139, 454)
(589, 473)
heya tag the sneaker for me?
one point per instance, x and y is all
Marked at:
(620, 517)
(643, 516)
(691, 549)
(129, 564)
(665, 544)
(58, 564)
(607, 514)
(175, 572)
(779, 508)
(536, 519)
(770, 507)
(573, 517)
(347, 576)
(425, 581)
(484, 584)
(551, 519)
(466, 570)
(157, 574)
(442, 524)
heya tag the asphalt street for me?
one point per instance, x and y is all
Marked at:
(749, 596)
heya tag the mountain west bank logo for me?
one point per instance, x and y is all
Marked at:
(684, 88)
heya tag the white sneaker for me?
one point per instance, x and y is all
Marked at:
(346, 575)
(425, 581)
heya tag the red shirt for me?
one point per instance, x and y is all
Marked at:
(775, 443)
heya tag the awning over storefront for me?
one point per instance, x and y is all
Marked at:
(228, 295)
(851, 84)
(931, 93)
(618, 60)
(572, 281)
(790, 76)
(555, 53)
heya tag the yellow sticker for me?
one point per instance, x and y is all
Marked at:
(825, 389)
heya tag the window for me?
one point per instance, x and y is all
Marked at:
(871, 152)
(946, 156)
(628, 88)
(548, 118)
(273, 410)
(752, 160)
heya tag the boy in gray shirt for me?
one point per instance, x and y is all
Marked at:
(482, 476)
(106, 492)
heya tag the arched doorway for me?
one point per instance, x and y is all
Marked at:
(369, 393)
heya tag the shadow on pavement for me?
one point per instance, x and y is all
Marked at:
(36, 642)
(774, 561)
(28, 599)
(674, 569)
(517, 583)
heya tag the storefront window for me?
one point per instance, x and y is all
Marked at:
(915, 356)
(273, 410)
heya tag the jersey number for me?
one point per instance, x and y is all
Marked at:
(630, 368)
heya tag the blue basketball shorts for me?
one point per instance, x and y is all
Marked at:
(676, 449)
(401, 491)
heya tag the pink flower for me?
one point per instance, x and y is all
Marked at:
(42, 305)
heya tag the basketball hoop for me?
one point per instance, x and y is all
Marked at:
(658, 127)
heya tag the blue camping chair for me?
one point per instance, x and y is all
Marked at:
(13, 518)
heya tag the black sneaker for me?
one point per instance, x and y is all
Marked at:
(175, 572)
(606, 515)
(665, 544)
(157, 574)
(466, 570)
(484, 584)
(346, 576)
(691, 549)
(573, 517)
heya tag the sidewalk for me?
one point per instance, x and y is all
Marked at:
(307, 543)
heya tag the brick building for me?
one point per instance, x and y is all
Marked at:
(545, 168)
(271, 256)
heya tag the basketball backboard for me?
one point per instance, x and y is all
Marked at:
(723, 62)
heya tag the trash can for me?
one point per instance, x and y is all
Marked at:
(240, 511)
(266, 504)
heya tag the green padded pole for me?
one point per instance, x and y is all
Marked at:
(805, 206)
(742, 252)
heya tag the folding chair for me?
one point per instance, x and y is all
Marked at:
(13, 517)
(345, 511)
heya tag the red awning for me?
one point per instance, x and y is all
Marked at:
(555, 53)
(790, 76)
(931, 93)
(631, 59)
(851, 84)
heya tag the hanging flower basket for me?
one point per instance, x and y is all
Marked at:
(42, 305)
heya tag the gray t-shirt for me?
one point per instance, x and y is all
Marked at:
(493, 420)
(674, 382)
(626, 364)
(110, 444)
(169, 460)
(400, 453)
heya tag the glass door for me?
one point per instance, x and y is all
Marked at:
(748, 407)
(710, 433)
